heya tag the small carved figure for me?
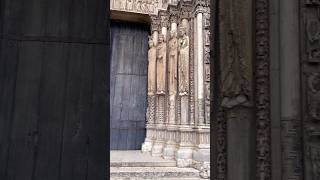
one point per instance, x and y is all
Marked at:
(143, 6)
(150, 6)
(152, 66)
(173, 58)
(183, 63)
(130, 5)
(313, 33)
(122, 4)
(314, 95)
(235, 75)
(138, 5)
(161, 65)
(206, 55)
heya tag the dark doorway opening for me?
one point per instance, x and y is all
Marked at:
(128, 83)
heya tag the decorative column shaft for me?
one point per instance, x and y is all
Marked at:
(200, 69)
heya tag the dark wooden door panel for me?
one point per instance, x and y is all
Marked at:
(128, 85)
(54, 101)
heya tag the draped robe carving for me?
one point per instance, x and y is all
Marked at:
(161, 66)
(152, 56)
(173, 55)
(183, 63)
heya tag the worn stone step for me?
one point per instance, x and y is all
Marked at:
(168, 173)
(138, 159)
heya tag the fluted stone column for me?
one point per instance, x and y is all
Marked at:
(171, 145)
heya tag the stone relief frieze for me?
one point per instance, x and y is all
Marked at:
(139, 6)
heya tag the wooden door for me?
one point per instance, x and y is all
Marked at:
(128, 92)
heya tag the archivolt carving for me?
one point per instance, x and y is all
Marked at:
(262, 96)
(236, 77)
(313, 35)
(310, 71)
(314, 96)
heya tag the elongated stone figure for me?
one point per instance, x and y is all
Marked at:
(161, 66)
(152, 56)
(173, 57)
(183, 63)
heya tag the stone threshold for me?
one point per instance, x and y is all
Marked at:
(138, 159)
(135, 165)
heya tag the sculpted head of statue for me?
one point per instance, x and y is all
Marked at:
(161, 38)
(182, 31)
(151, 43)
(173, 34)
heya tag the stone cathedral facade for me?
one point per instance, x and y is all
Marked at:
(178, 103)
(263, 75)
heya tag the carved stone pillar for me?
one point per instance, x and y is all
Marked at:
(171, 145)
(151, 109)
(184, 154)
(161, 92)
(200, 98)
(201, 154)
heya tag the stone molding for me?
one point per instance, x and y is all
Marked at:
(310, 68)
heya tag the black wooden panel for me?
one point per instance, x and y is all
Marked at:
(128, 85)
(68, 19)
(54, 95)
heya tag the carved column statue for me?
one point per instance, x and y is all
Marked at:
(152, 57)
(170, 148)
(161, 91)
(151, 130)
(184, 43)
(161, 65)
(184, 154)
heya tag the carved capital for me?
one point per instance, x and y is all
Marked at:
(200, 6)
(155, 23)
(185, 11)
(173, 16)
(164, 18)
